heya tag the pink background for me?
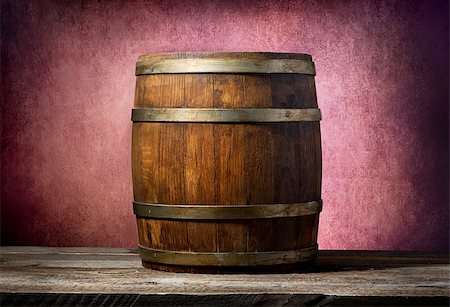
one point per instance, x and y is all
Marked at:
(67, 86)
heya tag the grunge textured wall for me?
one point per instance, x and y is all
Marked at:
(67, 87)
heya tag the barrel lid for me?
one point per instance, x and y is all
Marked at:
(224, 55)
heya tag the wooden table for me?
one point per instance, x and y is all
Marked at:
(95, 276)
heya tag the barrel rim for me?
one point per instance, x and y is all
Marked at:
(224, 54)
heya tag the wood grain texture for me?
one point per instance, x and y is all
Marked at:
(226, 164)
(115, 270)
(230, 163)
(200, 163)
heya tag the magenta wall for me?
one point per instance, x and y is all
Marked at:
(68, 83)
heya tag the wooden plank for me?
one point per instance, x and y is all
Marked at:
(145, 162)
(260, 162)
(341, 273)
(336, 257)
(146, 137)
(287, 167)
(199, 164)
(310, 157)
(172, 235)
(230, 164)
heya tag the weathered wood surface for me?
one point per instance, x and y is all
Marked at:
(336, 273)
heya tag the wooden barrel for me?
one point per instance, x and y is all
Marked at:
(226, 160)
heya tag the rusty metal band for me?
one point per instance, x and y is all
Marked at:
(212, 212)
(181, 66)
(227, 259)
(206, 115)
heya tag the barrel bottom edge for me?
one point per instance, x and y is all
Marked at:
(297, 267)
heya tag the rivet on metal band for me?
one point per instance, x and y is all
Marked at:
(205, 115)
(227, 259)
(178, 66)
(212, 212)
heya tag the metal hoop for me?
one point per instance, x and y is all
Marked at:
(177, 66)
(206, 115)
(227, 258)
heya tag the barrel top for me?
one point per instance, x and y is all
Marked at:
(224, 56)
